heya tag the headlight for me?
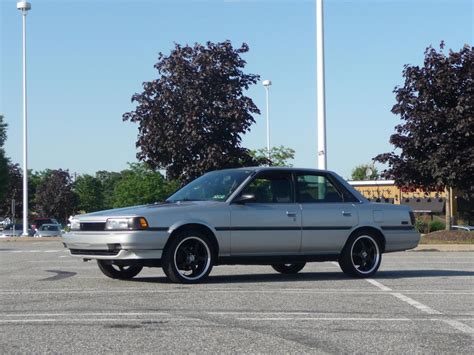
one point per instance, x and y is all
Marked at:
(75, 225)
(126, 223)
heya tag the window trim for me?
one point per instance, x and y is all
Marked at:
(347, 196)
(289, 174)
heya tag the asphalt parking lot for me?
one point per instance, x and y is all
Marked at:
(418, 302)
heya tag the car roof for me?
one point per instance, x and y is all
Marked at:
(280, 168)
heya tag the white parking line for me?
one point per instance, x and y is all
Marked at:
(95, 320)
(378, 284)
(89, 314)
(422, 307)
(459, 326)
(326, 319)
(33, 251)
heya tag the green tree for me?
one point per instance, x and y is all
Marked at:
(89, 192)
(279, 156)
(14, 191)
(34, 180)
(141, 185)
(192, 117)
(3, 161)
(365, 172)
(55, 196)
(108, 181)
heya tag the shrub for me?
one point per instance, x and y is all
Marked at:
(436, 226)
(421, 226)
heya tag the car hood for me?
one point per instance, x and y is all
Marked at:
(145, 210)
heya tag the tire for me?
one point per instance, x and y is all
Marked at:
(361, 256)
(288, 268)
(188, 258)
(121, 272)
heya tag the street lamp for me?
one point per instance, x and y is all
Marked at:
(24, 6)
(266, 84)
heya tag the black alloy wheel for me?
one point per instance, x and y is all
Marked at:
(361, 257)
(288, 268)
(122, 272)
(188, 258)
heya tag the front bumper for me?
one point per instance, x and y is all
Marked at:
(116, 245)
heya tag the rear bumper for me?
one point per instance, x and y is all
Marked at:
(133, 245)
(401, 240)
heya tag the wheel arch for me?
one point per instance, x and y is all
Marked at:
(206, 230)
(372, 230)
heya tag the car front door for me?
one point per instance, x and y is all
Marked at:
(271, 223)
(328, 213)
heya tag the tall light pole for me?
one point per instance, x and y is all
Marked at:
(24, 6)
(322, 158)
(266, 84)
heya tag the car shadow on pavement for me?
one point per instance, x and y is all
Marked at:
(315, 276)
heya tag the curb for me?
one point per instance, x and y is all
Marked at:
(444, 247)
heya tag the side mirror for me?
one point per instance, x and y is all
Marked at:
(243, 199)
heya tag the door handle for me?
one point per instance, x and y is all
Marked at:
(346, 214)
(291, 214)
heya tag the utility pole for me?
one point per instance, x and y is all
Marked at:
(322, 158)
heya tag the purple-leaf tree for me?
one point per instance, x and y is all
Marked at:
(434, 144)
(191, 118)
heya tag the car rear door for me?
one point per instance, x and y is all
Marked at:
(271, 224)
(328, 214)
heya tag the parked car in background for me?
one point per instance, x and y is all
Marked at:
(48, 230)
(283, 217)
(463, 228)
(14, 230)
(38, 222)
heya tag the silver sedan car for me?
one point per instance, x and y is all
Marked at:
(284, 217)
(48, 230)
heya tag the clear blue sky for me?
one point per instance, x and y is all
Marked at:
(86, 58)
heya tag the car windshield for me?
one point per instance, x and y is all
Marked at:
(49, 228)
(213, 186)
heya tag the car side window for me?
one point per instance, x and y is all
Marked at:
(271, 188)
(316, 189)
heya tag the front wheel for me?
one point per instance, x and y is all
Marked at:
(361, 257)
(122, 272)
(188, 258)
(288, 268)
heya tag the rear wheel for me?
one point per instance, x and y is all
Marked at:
(288, 268)
(361, 257)
(188, 258)
(122, 272)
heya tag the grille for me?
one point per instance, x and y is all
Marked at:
(93, 226)
(94, 252)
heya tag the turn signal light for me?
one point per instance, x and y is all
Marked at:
(143, 223)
